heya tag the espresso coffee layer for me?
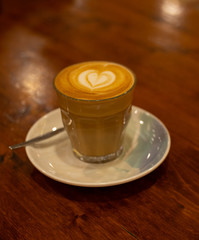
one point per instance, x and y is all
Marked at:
(94, 80)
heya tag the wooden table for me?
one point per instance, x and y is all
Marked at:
(158, 40)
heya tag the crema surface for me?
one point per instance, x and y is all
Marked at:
(94, 80)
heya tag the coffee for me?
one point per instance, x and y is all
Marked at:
(95, 100)
(94, 80)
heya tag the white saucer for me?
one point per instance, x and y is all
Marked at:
(146, 146)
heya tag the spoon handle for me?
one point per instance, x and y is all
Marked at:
(37, 139)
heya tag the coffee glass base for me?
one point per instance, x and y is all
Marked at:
(98, 159)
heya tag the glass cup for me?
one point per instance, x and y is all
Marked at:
(96, 127)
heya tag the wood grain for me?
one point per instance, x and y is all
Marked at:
(158, 40)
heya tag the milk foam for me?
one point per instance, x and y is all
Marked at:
(92, 79)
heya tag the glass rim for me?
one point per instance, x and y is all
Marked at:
(96, 100)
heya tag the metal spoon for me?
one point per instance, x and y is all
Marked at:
(37, 139)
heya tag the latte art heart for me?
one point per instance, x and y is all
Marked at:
(93, 80)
